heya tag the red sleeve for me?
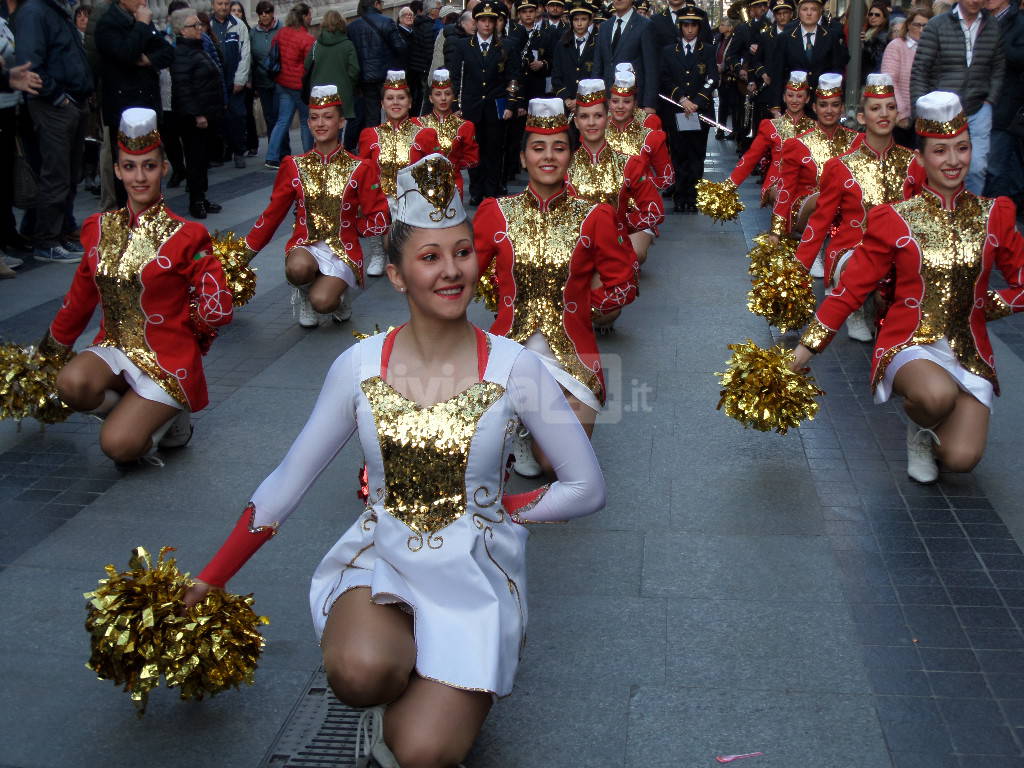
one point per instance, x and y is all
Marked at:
(1009, 254)
(653, 122)
(424, 144)
(789, 175)
(647, 209)
(206, 276)
(241, 544)
(281, 200)
(82, 298)
(374, 217)
(870, 262)
(916, 177)
(662, 172)
(830, 200)
(486, 223)
(470, 155)
(759, 147)
(614, 260)
(369, 148)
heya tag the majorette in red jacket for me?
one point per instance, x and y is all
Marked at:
(771, 133)
(147, 272)
(457, 139)
(545, 254)
(636, 139)
(620, 180)
(943, 258)
(392, 147)
(337, 200)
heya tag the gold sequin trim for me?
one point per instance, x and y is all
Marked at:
(320, 102)
(598, 180)
(139, 144)
(823, 147)
(395, 144)
(878, 91)
(938, 129)
(828, 93)
(996, 307)
(881, 178)
(552, 124)
(629, 141)
(817, 335)
(446, 129)
(425, 451)
(323, 186)
(124, 251)
(543, 243)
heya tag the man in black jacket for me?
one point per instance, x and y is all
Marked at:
(380, 47)
(132, 52)
(424, 32)
(574, 54)
(809, 46)
(45, 35)
(628, 36)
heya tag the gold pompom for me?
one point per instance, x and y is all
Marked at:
(766, 255)
(487, 289)
(28, 384)
(234, 256)
(718, 199)
(760, 391)
(139, 631)
(784, 296)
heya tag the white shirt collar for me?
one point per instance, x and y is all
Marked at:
(481, 41)
(626, 17)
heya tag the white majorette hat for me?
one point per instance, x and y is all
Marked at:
(940, 115)
(546, 116)
(797, 80)
(395, 80)
(589, 92)
(441, 78)
(137, 133)
(426, 195)
(322, 96)
(879, 86)
(625, 82)
(829, 84)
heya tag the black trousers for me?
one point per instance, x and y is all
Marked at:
(8, 133)
(60, 133)
(728, 106)
(485, 179)
(688, 151)
(197, 147)
(367, 113)
(172, 142)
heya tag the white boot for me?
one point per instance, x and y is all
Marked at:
(921, 465)
(818, 267)
(522, 449)
(370, 741)
(375, 261)
(344, 310)
(179, 432)
(857, 327)
(300, 301)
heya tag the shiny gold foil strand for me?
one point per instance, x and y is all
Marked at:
(719, 200)
(783, 296)
(28, 384)
(234, 256)
(140, 631)
(767, 256)
(761, 392)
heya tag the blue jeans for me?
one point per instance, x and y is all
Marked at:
(268, 100)
(980, 126)
(289, 101)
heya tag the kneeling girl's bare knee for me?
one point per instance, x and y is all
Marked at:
(360, 677)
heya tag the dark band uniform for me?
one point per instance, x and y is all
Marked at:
(569, 64)
(828, 54)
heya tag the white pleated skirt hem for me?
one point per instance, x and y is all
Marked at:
(941, 354)
(141, 383)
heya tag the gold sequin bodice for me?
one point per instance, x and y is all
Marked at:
(787, 129)
(881, 179)
(425, 451)
(600, 181)
(824, 147)
(123, 252)
(323, 185)
(951, 245)
(543, 243)
(395, 144)
(446, 129)
(629, 141)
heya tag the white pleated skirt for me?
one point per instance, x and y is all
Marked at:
(141, 383)
(940, 353)
(539, 345)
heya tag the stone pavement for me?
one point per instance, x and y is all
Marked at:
(741, 592)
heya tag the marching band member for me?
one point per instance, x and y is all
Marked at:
(456, 137)
(804, 158)
(161, 292)
(601, 175)
(337, 200)
(420, 606)
(934, 350)
(392, 145)
(877, 171)
(557, 259)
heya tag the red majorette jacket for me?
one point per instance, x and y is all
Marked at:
(943, 258)
(392, 147)
(148, 273)
(803, 160)
(457, 139)
(851, 185)
(327, 191)
(768, 141)
(545, 255)
(652, 144)
(621, 181)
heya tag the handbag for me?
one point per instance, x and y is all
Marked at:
(26, 180)
(272, 62)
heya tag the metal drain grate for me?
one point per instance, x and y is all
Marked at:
(319, 732)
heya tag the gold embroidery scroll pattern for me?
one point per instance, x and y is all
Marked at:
(425, 452)
(543, 244)
(123, 252)
(323, 189)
